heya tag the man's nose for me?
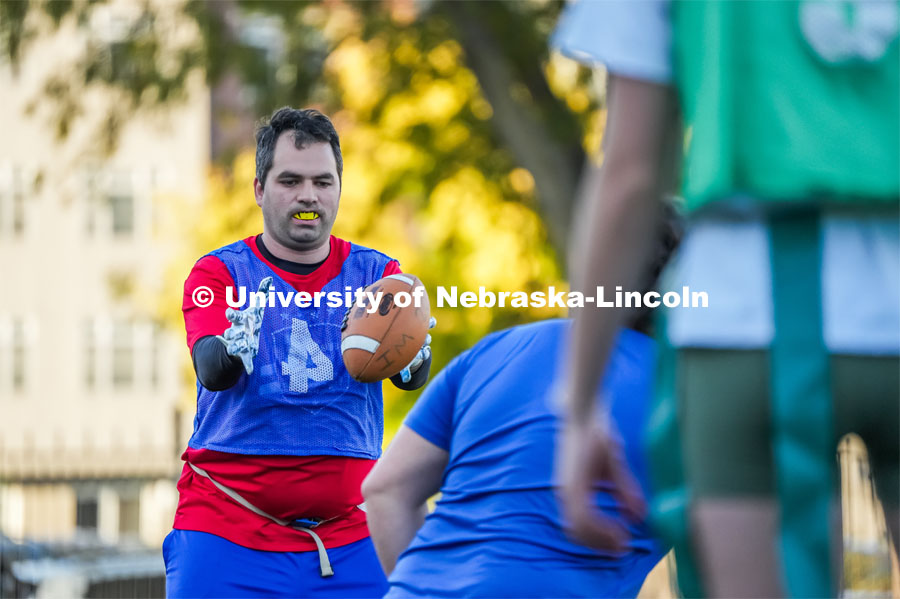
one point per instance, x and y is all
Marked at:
(306, 191)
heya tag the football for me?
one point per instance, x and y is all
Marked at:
(386, 328)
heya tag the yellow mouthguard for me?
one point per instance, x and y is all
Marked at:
(306, 216)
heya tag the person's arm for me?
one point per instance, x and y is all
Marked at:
(203, 306)
(215, 368)
(413, 466)
(396, 491)
(618, 221)
(615, 231)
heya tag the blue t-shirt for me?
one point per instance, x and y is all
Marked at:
(496, 530)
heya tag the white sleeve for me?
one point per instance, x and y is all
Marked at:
(631, 38)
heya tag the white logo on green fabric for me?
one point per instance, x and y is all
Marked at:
(849, 30)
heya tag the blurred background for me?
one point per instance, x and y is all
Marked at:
(127, 153)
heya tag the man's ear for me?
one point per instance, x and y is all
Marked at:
(258, 191)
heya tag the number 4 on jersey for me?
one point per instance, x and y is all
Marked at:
(303, 350)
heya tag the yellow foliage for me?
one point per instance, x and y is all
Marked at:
(561, 72)
(481, 108)
(394, 156)
(338, 20)
(445, 58)
(362, 186)
(440, 101)
(594, 134)
(451, 137)
(399, 114)
(578, 100)
(406, 53)
(521, 180)
(359, 66)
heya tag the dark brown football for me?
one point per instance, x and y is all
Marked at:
(379, 343)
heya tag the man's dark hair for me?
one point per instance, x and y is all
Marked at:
(671, 229)
(309, 126)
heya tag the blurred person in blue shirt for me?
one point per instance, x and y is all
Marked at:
(483, 435)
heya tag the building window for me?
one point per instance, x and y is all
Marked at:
(121, 208)
(129, 516)
(16, 188)
(123, 354)
(5, 190)
(89, 343)
(91, 193)
(18, 355)
(155, 349)
(18, 202)
(120, 199)
(86, 513)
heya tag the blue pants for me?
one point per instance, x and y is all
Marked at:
(200, 564)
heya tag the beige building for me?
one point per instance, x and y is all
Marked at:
(90, 432)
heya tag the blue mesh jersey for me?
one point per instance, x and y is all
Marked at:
(300, 399)
(497, 531)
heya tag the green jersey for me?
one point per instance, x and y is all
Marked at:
(789, 101)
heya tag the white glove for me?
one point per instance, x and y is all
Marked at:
(422, 355)
(241, 339)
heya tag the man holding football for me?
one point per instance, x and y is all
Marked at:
(283, 436)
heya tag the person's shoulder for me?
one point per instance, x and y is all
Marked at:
(236, 247)
(487, 344)
(208, 263)
(523, 334)
(355, 249)
(514, 349)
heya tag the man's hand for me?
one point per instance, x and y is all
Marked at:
(423, 355)
(586, 455)
(242, 338)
